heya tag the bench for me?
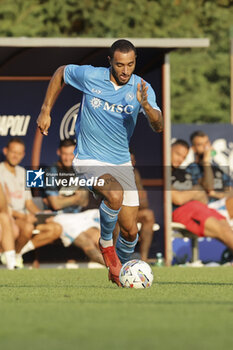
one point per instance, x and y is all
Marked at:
(180, 231)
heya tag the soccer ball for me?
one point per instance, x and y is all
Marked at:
(136, 274)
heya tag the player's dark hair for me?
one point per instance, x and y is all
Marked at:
(67, 143)
(197, 133)
(181, 142)
(15, 139)
(121, 45)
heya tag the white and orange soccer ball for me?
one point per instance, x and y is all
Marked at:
(136, 274)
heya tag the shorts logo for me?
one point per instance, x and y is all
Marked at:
(95, 102)
(35, 178)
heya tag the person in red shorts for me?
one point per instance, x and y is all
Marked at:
(189, 202)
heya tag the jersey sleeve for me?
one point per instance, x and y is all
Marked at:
(74, 75)
(151, 99)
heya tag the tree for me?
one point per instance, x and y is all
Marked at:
(200, 78)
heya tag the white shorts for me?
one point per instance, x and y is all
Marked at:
(73, 224)
(220, 207)
(123, 173)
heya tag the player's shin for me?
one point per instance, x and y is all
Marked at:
(108, 219)
(125, 248)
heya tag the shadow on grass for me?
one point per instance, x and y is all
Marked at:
(198, 283)
(156, 302)
(47, 286)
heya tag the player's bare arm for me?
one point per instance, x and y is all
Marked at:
(207, 180)
(154, 115)
(31, 207)
(181, 197)
(219, 194)
(54, 88)
(60, 202)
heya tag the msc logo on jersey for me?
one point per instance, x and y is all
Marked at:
(128, 109)
(96, 103)
(35, 178)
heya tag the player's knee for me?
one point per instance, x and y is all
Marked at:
(130, 231)
(27, 230)
(88, 246)
(225, 229)
(115, 199)
(220, 229)
(149, 216)
(85, 243)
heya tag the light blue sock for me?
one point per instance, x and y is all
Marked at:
(108, 219)
(125, 248)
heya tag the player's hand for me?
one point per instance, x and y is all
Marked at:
(142, 93)
(31, 218)
(207, 154)
(78, 197)
(43, 122)
(50, 219)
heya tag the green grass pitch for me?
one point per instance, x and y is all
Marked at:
(186, 308)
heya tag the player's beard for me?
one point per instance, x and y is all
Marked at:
(116, 77)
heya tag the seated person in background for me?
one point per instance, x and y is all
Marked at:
(80, 229)
(145, 215)
(207, 173)
(13, 177)
(65, 199)
(7, 239)
(189, 202)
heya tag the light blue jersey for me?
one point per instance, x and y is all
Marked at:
(107, 115)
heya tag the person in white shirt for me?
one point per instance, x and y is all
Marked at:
(12, 177)
(7, 241)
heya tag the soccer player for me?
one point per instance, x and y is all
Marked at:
(80, 229)
(112, 99)
(7, 239)
(59, 198)
(13, 181)
(205, 171)
(145, 214)
(189, 202)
